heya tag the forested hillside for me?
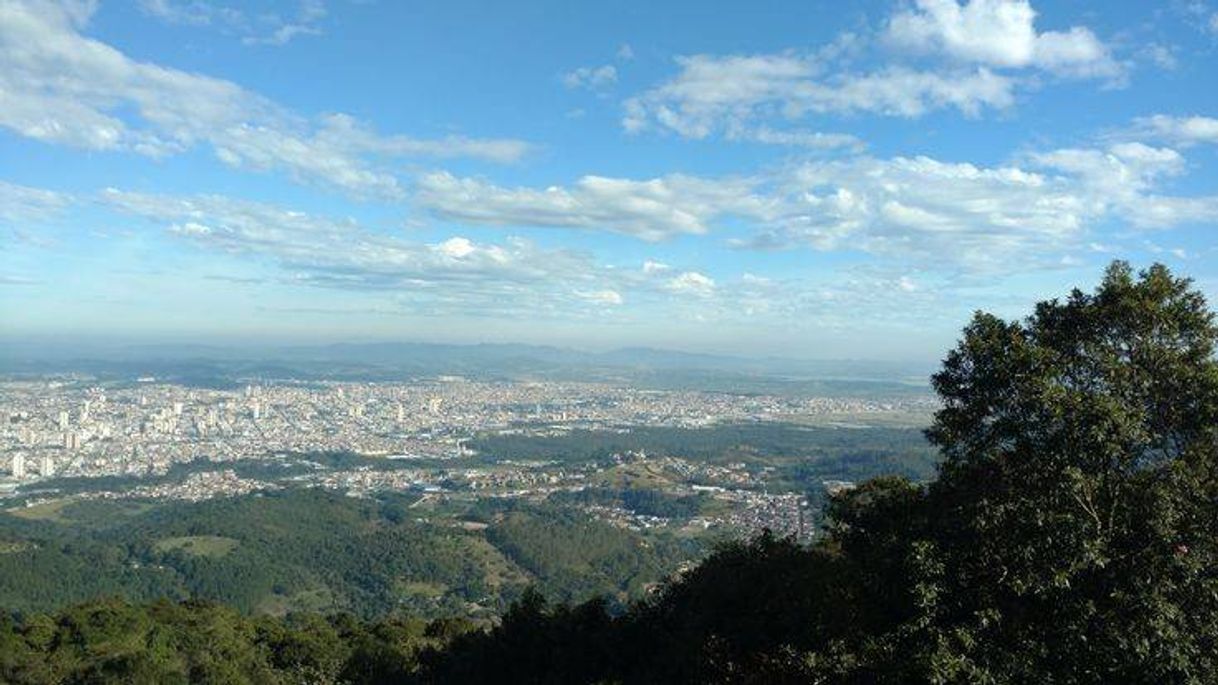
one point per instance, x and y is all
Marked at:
(308, 549)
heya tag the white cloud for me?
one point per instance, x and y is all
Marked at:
(456, 247)
(652, 210)
(254, 28)
(990, 45)
(1123, 180)
(603, 297)
(1183, 131)
(714, 94)
(20, 203)
(920, 210)
(999, 33)
(812, 140)
(339, 253)
(344, 132)
(1161, 56)
(192, 13)
(62, 87)
(691, 283)
(625, 53)
(961, 216)
(591, 78)
(654, 267)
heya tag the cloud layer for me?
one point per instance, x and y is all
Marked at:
(64, 88)
(918, 210)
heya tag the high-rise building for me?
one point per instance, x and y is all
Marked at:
(63, 420)
(71, 440)
(18, 466)
(47, 467)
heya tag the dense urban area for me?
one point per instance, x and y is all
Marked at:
(415, 437)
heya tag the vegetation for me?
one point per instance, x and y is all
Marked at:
(1071, 537)
(304, 549)
(111, 641)
(580, 558)
(639, 500)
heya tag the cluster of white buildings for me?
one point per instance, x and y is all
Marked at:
(78, 427)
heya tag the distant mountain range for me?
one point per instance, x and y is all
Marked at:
(412, 359)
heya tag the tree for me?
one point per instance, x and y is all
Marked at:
(1075, 510)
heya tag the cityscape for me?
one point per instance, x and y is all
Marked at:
(407, 437)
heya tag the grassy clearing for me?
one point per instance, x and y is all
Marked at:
(213, 546)
(44, 511)
(320, 600)
(421, 588)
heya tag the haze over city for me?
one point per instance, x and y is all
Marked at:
(802, 179)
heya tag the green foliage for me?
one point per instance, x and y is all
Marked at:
(805, 455)
(645, 501)
(111, 641)
(575, 558)
(315, 550)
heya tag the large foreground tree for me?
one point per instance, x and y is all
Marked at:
(1074, 526)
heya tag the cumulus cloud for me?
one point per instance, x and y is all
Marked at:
(921, 210)
(64, 88)
(728, 94)
(977, 219)
(982, 219)
(652, 210)
(992, 48)
(1123, 179)
(1182, 131)
(691, 283)
(999, 33)
(339, 253)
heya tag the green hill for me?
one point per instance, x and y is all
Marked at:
(316, 550)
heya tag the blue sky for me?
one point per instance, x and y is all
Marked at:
(779, 178)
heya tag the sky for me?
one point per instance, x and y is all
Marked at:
(803, 179)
